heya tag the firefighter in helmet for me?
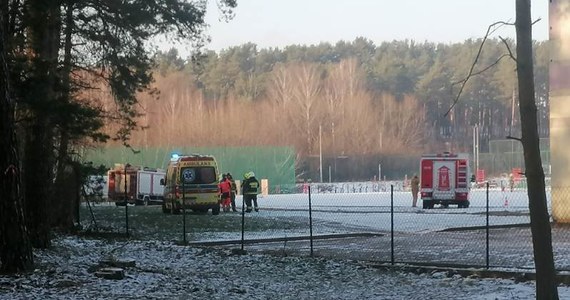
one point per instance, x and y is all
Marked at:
(250, 188)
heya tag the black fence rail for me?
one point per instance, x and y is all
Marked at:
(379, 225)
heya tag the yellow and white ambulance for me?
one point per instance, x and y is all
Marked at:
(191, 183)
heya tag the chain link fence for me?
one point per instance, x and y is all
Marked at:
(370, 221)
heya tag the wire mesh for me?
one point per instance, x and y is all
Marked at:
(357, 221)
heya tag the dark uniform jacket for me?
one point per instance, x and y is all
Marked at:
(250, 186)
(233, 186)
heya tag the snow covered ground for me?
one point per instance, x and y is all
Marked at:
(166, 271)
(371, 210)
(287, 215)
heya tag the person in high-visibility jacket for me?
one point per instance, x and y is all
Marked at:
(224, 188)
(233, 190)
(250, 189)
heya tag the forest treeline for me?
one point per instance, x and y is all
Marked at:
(351, 98)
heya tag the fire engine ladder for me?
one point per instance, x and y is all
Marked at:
(462, 174)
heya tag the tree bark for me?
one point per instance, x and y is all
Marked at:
(15, 248)
(44, 19)
(63, 212)
(546, 285)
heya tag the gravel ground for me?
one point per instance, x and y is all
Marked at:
(164, 270)
(509, 247)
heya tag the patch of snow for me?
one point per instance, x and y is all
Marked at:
(164, 270)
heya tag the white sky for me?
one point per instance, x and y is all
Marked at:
(278, 23)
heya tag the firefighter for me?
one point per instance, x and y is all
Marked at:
(250, 188)
(233, 190)
(415, 189)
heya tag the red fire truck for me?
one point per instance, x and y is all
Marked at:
(444, 179)
(142, 185)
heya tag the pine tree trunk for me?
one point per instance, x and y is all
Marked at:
(15, 248)
(44, 34)
(37, 180)
(546, 285)
(63, 196)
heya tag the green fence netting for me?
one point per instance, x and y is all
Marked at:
(277, 164)
(504, 155)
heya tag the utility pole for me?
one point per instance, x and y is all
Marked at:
(334, 151)
(321, 152)
(475, 149)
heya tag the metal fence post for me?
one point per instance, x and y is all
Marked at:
(392, 224)
(184, 212)
(126, 203)
(487, 233)
(242, 219)
(310, 221)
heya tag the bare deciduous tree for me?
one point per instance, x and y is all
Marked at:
(300, 98)
(546, 284)
(306, 96)
(407, 122)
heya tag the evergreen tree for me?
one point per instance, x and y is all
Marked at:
(15, 248)
(59, 49)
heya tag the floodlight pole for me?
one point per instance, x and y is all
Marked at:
(334, 151)
(321, 152)
(392, 224)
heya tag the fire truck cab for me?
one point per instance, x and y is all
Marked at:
(444, 179)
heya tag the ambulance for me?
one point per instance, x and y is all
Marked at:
(444, 179)
(191, 183)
